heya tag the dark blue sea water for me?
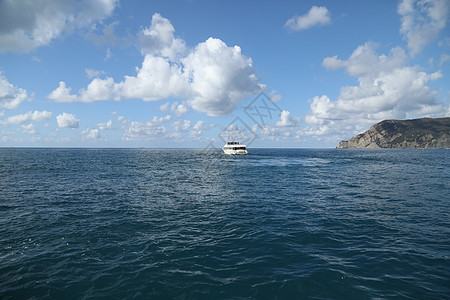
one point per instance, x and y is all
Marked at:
(190, 224)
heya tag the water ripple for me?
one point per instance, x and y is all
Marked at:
(185, 224)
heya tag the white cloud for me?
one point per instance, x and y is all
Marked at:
(286, 120)
(199, 125)
(283, 130)
(153, 129)
(29, 128)
(160, 120)
(179, 109)
(97, 90)
(66, 120)
(364, 61)
(164, 107)
(90, 73)
(158, 39)
(197, 129)
(220, 77)
(422, 21)
(10, 96)
(100, 89)
(181, 125)
(92, 134)
(157, 79)
(212, 78)
(108, 54)
(144, 131)
(122, 119)
(275, 97)
(27, 25)
(269, 132)
(62, 94)
(106, 126)
(388, 90)
(161, 128)
(237, 132)
(317, 15)
(28, 116)
(176, 108)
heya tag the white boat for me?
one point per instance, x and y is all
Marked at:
(234, 148)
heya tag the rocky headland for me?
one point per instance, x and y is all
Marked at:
(426, 133)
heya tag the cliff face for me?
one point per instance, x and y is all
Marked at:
(417, 133)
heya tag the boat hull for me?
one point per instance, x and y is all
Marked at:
(234, 152)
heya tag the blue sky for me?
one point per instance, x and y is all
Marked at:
(195, 73)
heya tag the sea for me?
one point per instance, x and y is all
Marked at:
(198, 224)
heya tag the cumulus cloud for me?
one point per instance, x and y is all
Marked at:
(27, 25)
(198, 128)
(62, 94)
(181, 125)
(274, 133)
(157, 79)
(275, 97)
(28, 116)
(92, 134)
(161, 128)
(364, 61)
(106, 126)
(10, 96)
(95, 134)
(220, 77)
(151, 130)
(317, 15)
(238, 131)
(66, 120)
(199, 125)
(286, 120)
(180, 109)
(212, 77)
(388, 89)
(422, 21)
(29, 128)
(283, 130)
(158, 39)
(97, 90)
(176, 108)
(144, 131)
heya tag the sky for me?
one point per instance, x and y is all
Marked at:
(195, 73)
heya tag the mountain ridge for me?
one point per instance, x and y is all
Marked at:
(425, 133)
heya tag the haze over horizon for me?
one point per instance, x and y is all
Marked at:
(185, 73)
